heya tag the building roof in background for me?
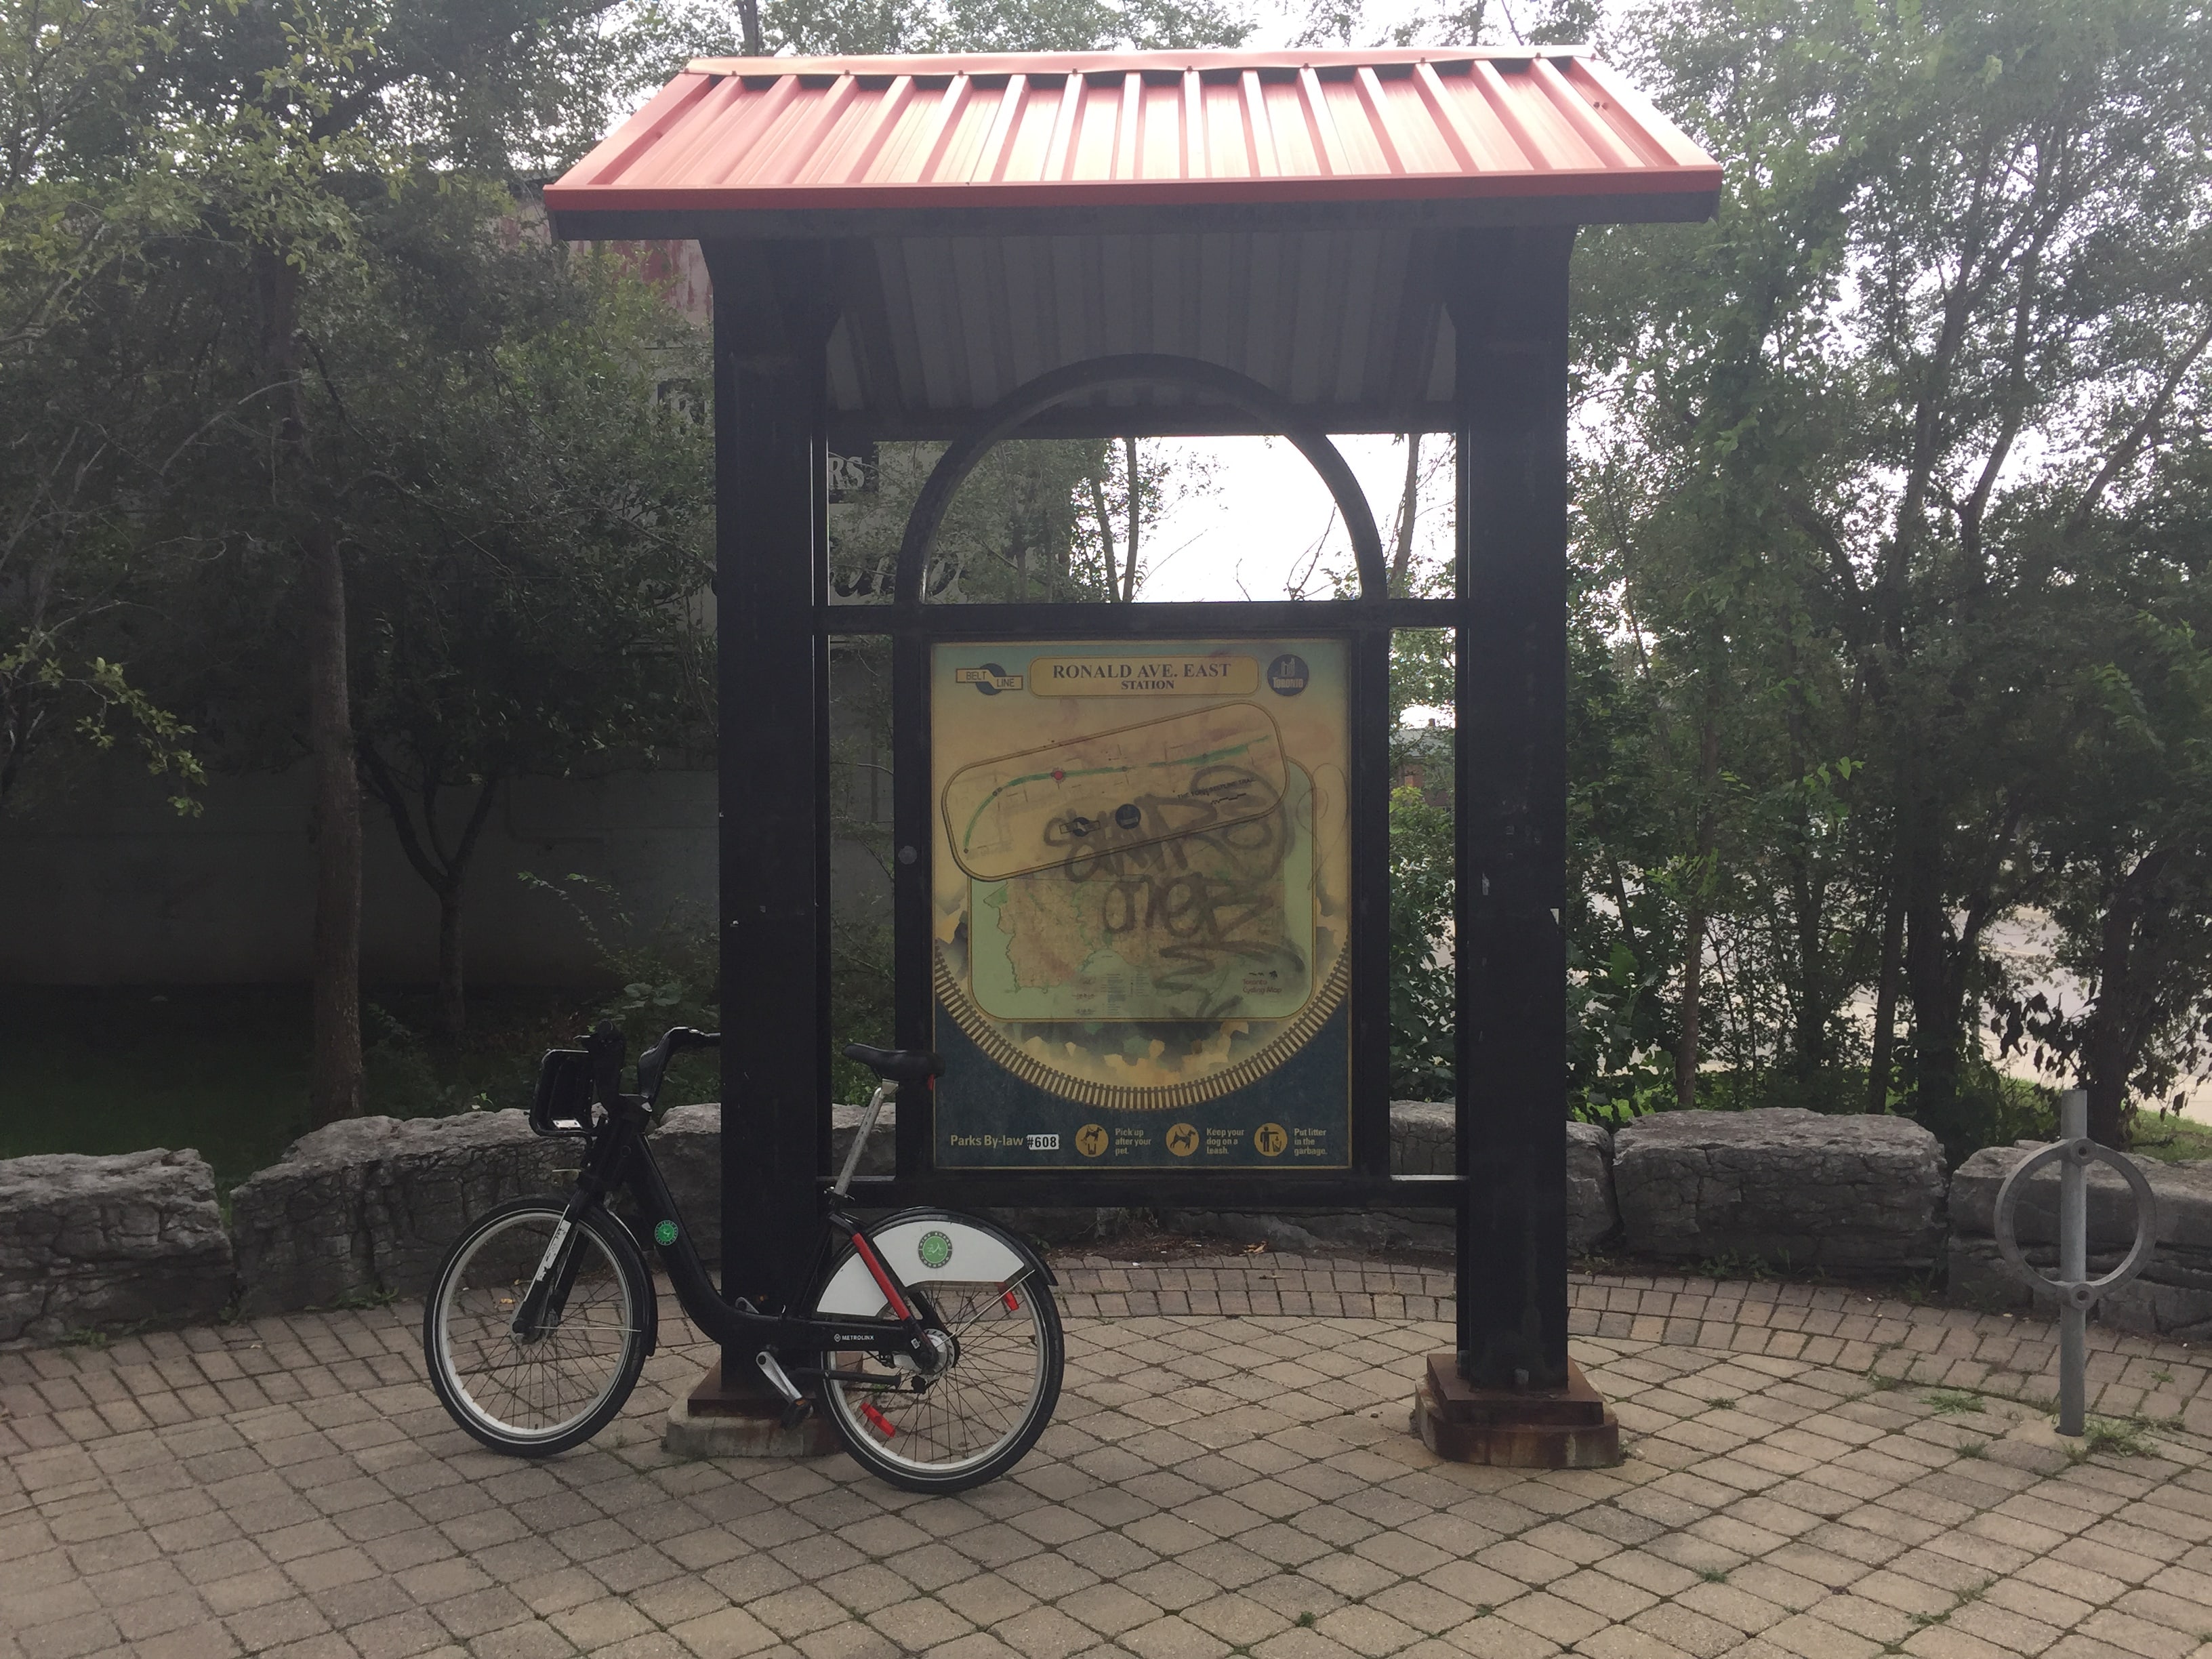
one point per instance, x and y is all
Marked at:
(1146, 129)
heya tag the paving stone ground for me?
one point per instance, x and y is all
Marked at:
(1813, 1472)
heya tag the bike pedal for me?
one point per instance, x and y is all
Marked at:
(797, 1412)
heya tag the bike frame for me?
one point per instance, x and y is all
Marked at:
(618, 1158)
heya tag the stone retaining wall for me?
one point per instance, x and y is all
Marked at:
(367, 1207)
(371, 1204)
(1785, 1187)
(2172, 1296)
(99, 1243)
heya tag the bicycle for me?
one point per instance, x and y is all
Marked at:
(928, 1340)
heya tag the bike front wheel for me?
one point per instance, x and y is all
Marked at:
(532, 1379)
(971, 1416)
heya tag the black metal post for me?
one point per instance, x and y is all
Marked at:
(1508, 305)
(913, 1000)
(768, 438)
(1370, 714)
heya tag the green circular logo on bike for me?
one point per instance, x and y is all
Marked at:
(665, 1234)
(935, 1249)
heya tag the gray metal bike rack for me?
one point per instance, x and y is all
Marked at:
(2073, 1152)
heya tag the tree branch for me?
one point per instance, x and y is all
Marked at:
(2123, 455)
(385, 788)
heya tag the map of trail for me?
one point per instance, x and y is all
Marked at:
(1155, 872)
(1139, 888)
(1111, 793)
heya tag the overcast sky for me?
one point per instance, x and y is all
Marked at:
(1255, 533)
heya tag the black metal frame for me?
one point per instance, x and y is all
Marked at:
(1507, 290)
(1364, 624)
(1366, 633)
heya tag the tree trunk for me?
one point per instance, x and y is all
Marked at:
(452, 1000)
(1812, 1035)
(1129, 564)
(1409, 507)
(1808, 895)
(2112, 1039)
(1932, 979)
(1693, 925)
(1882, 1063)
(749, 24)
(443, 869)
(2104, 1057)
(334, 1072)
(1105, 536)
(1685, 1045)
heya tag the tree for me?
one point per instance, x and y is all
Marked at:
(530, 558)
(75, 207)
(2128, 851)
(1958, 262)
(290, 118)
(828, 27)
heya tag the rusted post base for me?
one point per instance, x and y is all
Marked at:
(1568, 1428)
(716, 1421)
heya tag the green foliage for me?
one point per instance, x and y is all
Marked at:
(2172, 1139)
(1889, 556)
(77, 209)
(1950, 1402)
(531, 535)
(1423, 1042)
(821, 27)
(661, 971)
(1018, 527)
(2120, 1437)
(1888, 528)
(265, 277)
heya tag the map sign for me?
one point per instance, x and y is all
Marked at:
(1141, 886)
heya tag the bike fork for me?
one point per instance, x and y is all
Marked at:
(547, 1299)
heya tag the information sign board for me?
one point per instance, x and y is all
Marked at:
(1141, 891)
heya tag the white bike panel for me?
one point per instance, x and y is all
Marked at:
(978, 1257)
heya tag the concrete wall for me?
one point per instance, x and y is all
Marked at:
(100, 882)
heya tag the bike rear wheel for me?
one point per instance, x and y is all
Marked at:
(985, 1405)
(531, 1394)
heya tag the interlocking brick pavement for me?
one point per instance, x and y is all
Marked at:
(1813, 1471)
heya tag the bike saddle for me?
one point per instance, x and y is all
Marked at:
(897, 1065)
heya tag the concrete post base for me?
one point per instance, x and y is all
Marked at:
(715, 1421)
(1568, 1428)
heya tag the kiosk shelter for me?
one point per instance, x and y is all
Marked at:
(1141, 878)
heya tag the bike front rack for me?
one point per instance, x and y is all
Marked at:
(2073, 1152)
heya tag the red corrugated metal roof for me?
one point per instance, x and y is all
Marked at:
(1136, 129)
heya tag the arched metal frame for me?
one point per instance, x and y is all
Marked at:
(1005, 418)
(1363, 623)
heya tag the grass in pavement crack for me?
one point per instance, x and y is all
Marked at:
(1950, 1402)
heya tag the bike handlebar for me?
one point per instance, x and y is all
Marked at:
(653, 1064)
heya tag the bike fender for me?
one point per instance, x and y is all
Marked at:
(960, 1249)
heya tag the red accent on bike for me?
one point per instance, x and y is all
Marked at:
(883, 1424)
(883, 1279)
(1013, 1306)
